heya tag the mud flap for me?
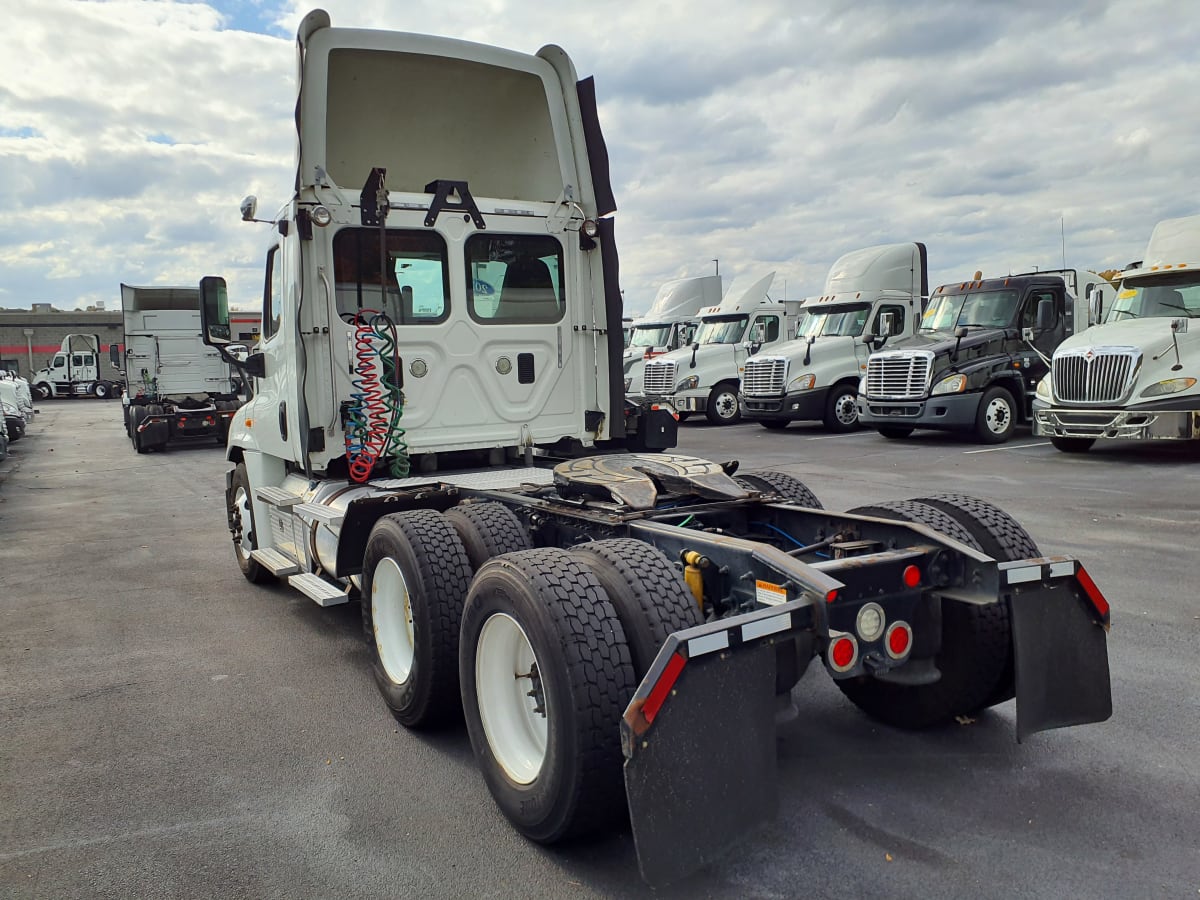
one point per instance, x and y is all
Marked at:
(699, 741)
(1060, 651)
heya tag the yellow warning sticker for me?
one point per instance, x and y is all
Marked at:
(769, 593)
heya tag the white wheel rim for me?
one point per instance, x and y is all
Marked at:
(391, 613)
(998, 416)
(241, 502)
(726, 404)
(516, 731)
(846, 409)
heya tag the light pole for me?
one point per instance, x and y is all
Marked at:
(28, 332)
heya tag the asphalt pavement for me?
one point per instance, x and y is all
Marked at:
(170, 730)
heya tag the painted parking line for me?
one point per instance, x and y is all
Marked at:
(826, 437)
(1015, 447)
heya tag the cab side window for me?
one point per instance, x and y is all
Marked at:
(273, 294)
(1029, 313)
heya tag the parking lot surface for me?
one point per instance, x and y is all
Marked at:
(170, 730)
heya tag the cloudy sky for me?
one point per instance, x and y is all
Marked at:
(749, 132)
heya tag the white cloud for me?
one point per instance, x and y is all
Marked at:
(767, 137)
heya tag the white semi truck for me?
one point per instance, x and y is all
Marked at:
(177, 387)
(614, 627)
(670, 323)
(74, 371)
(1136, 376)
(704, 377)
(870, 295)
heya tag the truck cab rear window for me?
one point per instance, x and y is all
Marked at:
(417, 277)
(514, 279)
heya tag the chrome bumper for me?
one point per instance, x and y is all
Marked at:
(1118, 424)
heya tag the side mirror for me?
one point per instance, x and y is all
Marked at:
(868, 338)
(249, 207)
(114, 356)
(1045, 314)
(758, 334)
(238, 351)
(961, 332)
(888, 324)
(1096, 305)
(214, 311)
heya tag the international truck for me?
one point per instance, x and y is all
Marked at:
(178, 389)
(871, 296)
(975, 362)
(75, 371)
(670, 323)
(1136, 376)
(617, 628)
(704, 377)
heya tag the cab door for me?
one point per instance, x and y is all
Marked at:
(1033, 368)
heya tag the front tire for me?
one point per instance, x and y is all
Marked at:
(546, 675)
(841, 409)
(101, 390)
(240, 513)
(722, 407)
(1072, 445)
(415, 576)
(42, 391)
(997, 416)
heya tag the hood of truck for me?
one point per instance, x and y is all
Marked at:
(1147, 335)
(713, 363)
(942, 343)
(831, 357)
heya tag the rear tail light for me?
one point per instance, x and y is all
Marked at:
(898, 640)
(842, 654)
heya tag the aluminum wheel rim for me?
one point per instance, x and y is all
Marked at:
(998, 416)
(241, 506)
(726, 404)
(391, 614)
(516, 731)
(845, 410)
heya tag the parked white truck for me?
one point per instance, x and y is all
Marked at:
(614, 627)
(74, 371)
(177, 387)
(670, 323)
(704, 377)
(1136, 376)
(870, 295)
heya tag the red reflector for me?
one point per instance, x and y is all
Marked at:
(666, 681)
(898, 641)
(842, 653)
(912, 576)
(1093, 592)
(831, 596)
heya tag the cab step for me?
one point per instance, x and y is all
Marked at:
(315, 512)
(277, 496)
(274, 561)
(317, 588)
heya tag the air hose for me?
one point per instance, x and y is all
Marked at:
(376, 402)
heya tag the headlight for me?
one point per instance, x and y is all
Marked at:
(955, 384)
(862, 386)
(628, 382)
(1170, 386)
(1043, 390)
(692, 381)
(804, 382)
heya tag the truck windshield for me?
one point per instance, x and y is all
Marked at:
(650, 336)
(1161, 296)
(721, 330)
(844, 321)
(985, 309)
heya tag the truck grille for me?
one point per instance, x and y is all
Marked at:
(899, 375)
(764, 377)
(1095, 374)
(658, 377)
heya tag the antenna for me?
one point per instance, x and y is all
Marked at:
(1062, 226)
(717, 263)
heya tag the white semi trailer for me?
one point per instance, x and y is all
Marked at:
(177, 387)
(1136, 376)
(615, 627)
(870, 295)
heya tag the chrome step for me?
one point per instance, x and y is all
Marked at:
(277, 496)
(274, 561)
(319, 513)
(318, 589)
